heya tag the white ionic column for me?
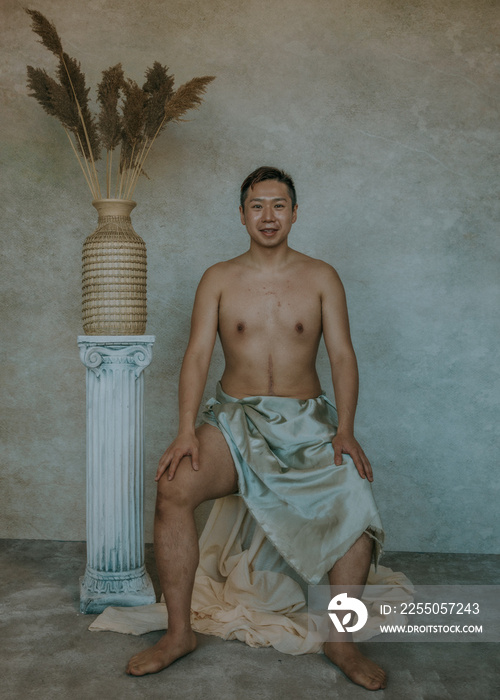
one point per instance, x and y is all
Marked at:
(115, 572)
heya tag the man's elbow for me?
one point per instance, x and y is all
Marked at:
(344, 359)
(198, 357)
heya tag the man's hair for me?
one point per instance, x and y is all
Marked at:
(267, 173)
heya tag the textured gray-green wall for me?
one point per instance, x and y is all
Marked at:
(386, 113)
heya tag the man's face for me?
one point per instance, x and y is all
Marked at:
(268, 214)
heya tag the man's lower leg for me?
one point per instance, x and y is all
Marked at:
(351, 572)
(177, 554)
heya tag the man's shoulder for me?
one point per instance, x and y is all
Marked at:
(317, 267)
(319, 277)
(221, 268)
(219, 273)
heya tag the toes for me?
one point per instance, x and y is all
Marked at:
(378, 680)
(136, 671)
(134, 667)
(370, 682)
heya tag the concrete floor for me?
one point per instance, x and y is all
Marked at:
(47, 651)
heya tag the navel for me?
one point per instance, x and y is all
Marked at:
(299, 327)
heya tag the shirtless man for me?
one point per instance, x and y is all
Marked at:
(270, 307)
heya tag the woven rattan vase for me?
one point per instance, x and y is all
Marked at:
(114, 273)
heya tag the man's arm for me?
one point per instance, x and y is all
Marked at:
(344, 370)
(194, 371)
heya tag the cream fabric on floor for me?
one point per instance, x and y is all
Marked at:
(244, 590)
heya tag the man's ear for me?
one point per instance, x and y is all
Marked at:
(242, 215)
(294, 213)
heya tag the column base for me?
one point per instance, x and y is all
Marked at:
(100, 589)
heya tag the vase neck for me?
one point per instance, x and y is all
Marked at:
(113, 208)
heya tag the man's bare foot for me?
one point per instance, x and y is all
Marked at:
(357, 667)
(162, 654)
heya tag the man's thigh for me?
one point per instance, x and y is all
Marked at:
(216, 476)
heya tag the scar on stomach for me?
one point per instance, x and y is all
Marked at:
(240, 327)
(271, 378)
(299, 327)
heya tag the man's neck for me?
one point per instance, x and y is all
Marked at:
(269, 258)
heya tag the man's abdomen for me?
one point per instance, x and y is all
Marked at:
(271, 375)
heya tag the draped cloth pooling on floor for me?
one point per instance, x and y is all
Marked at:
(295, 515)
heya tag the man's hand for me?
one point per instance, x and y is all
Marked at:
(346, 443)
(183, 445)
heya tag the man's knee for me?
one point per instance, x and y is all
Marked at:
(174, 492)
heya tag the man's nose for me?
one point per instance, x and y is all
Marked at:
(268, 213)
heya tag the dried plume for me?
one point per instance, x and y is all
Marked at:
(73, 80)
(53, 98)
(133, 110)
(187, 97)
(157, 78)
(46, 31)
(159, 87)
(71, 88)
(108, 94)
(133, 121)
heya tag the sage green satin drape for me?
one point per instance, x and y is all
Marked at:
(311, 510)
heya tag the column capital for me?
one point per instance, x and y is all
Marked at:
(117, 351)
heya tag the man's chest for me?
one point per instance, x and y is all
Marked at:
(290, 304)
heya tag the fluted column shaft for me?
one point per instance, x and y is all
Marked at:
(115, 572)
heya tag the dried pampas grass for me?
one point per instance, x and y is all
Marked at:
(159, 88)
(187, 97)
(130, 117)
